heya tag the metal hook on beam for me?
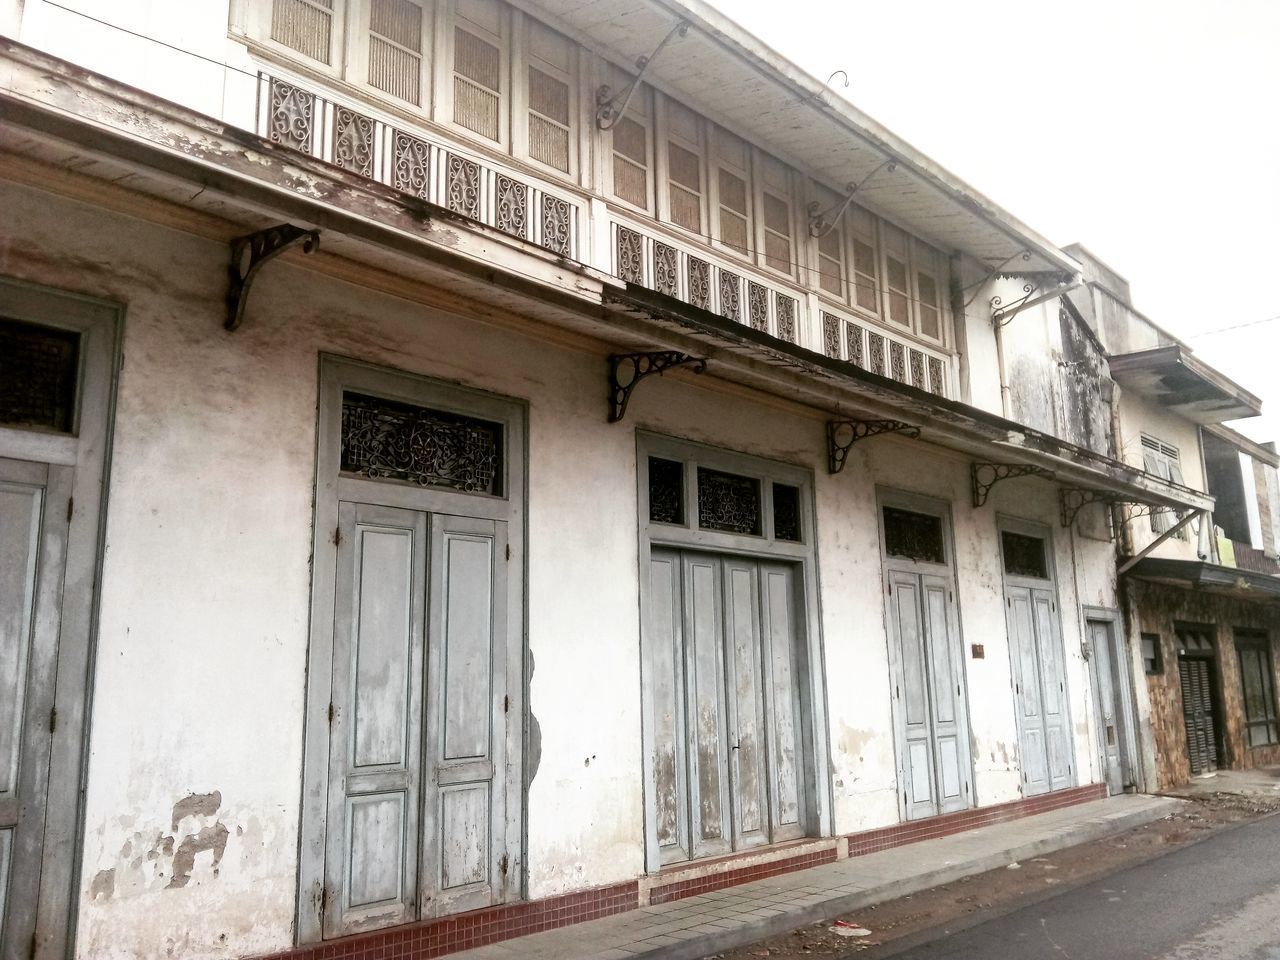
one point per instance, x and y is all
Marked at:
(820, 225)
(608, 110)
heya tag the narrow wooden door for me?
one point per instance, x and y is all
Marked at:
(1107, 704)
(418, 718)
(33, 534)
(930, 696)
(1197, 714)
(1039, 689)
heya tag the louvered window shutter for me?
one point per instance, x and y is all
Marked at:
(684, 166)
(731, 156)
(775, 205)
(896, 275)
(866, 274)
(928, 292)
(395, 48)
(831, 261)
(477, 69)
(631, 162)
(305, 26)
(551, 136)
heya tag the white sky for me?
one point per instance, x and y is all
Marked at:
(1148, 130)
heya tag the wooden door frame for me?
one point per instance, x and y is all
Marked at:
(933, 506)
(1123, 686)
(1033, 528)
(334, 375)
(819, 817)
(87, 450)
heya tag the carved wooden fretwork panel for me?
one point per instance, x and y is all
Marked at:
(831, 335)
(898, 361)
(786, 317)
(462, 186)
(853, 343)
(555, 224)
(700, 283)
(353, 141)
(758, 306)
(630, 256)
(292, 116)
(666, 269)
(513, 206)
(730, 295)
(937, 377)
(875, 353)
(387, 440)
(917, 369)
(411, 167)
(728, 502)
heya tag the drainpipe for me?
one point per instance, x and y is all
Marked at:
(1000, 317)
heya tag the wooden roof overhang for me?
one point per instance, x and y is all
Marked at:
(68, 130)
(1181, 382)
(1209, 577)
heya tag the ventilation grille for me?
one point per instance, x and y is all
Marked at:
(395, 49)
(305, 26)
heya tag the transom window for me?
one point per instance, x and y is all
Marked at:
(1257, 678)
(913, 536)
(723, 501)
(389, 440)
(1024, 556)
(39, 374)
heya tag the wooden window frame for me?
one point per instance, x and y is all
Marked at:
(854, 277)
(359, 29)
(714, 162)
(1168, 456)
(257, 16)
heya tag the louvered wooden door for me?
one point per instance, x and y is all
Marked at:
(1196, 674)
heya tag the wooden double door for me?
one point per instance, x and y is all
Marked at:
(1199, 712)
(1039, 686)
(724, 667)
(930, 697)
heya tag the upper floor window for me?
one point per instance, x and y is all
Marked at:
(1161, 459)
(504, 78)
(685, 195)
(378, 43)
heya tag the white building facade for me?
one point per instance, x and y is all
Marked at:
(442, 480)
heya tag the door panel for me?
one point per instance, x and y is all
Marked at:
(1197, 713)
(743, 672)
(1022, 641)
(946, 694)
(781, 635)
(913, 698)
(664, 677)
(33, 543)
(709, 788)
(466, 746)
(1108, 704)
(375, 730)
(1054, 690)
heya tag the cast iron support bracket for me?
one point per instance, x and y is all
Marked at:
(987, 475)
(628, 369)
(843, 434)
(249, 253)
(612, 107)
(1072, 500)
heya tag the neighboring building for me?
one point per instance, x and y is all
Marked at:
(1203, 607)
(382, 582)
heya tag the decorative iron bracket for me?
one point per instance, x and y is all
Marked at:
(1071, 500)
(1001, 313)
(819, 224)
(608, 111)
(977, 285)
(634, 367)
(843, 434)
(249, 253)
(987, 475)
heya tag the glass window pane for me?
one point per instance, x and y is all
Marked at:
(39, 367)
(786, 512)
(1024, 556)
(728, 502)
(666, 490)
(916, 536)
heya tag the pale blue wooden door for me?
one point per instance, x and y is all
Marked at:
(33, 534)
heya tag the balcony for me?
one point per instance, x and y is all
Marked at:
(412, 160)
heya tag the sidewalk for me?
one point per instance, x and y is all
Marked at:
(708, 923)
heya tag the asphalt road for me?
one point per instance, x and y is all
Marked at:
(1214, 900)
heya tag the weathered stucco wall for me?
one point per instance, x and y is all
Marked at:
(1160, 608)
(194, 774)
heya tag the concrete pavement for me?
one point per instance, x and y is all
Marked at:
(694, 927)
